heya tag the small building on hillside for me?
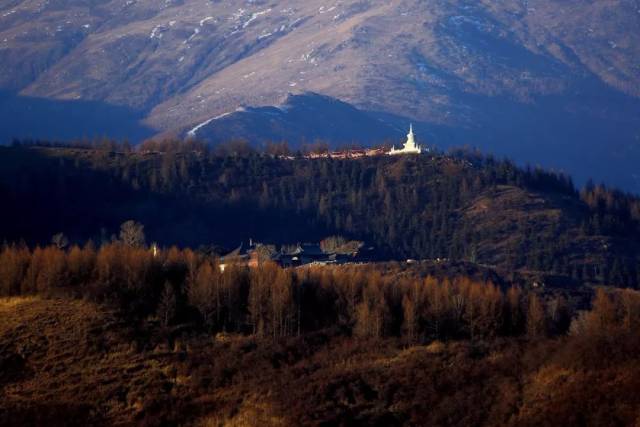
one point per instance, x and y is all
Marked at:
(251, 256)
(238, 256)
(410, 147)
(255, 254)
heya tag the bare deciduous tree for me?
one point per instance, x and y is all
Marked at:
(132, 234)
(168, 305)
(60, 240)
(536, 321)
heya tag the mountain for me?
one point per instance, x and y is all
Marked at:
(301, 118)
(53, 119)
(541, 82)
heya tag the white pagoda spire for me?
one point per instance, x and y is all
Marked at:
(410, 147)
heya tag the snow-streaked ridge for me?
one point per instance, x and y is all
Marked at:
(193, 132)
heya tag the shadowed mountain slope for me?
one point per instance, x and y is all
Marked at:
(302, 118)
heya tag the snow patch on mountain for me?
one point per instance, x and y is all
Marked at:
(255, 16)
(205, 20)
(193, 132)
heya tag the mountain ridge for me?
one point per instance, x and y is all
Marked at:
(307, 117)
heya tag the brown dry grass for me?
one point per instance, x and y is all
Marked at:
(8, 304)
(73, 354)
(74, 363)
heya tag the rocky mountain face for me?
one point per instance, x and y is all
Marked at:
(555, 83)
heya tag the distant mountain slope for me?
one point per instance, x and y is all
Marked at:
(301, 118)
(53, 119)
(537, 80)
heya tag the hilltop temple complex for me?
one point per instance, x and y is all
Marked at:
(409, 147)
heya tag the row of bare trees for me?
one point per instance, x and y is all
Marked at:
(185, 286)
(372, 304)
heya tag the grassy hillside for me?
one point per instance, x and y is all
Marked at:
(71, 362)
(65, 362)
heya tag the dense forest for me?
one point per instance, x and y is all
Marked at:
(458, 206)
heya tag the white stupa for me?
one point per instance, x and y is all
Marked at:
(410, 147)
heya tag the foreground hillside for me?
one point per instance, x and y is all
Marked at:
(122, 333)
(65, 362)
(461, 207)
